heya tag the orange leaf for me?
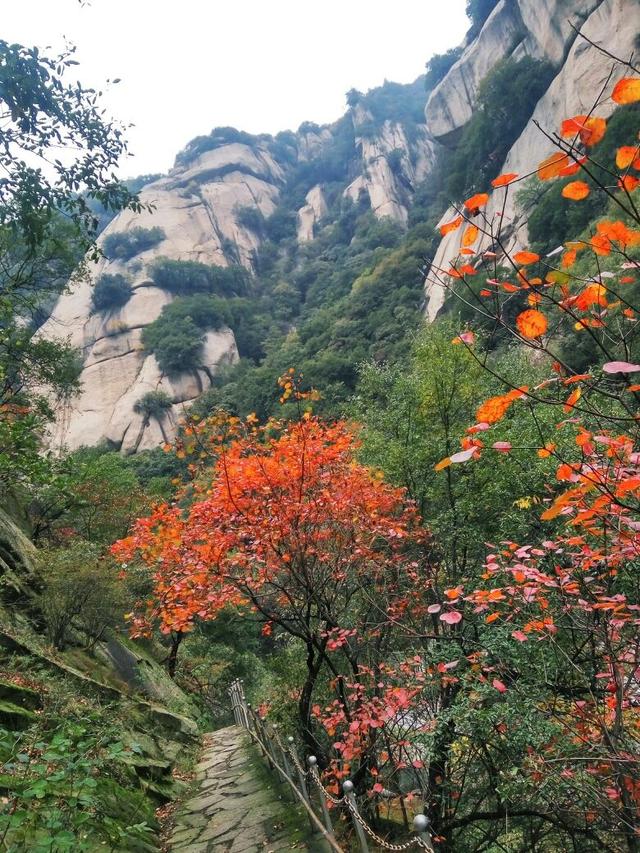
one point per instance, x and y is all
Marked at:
(477, 200)
(579, 377)
(470, 235)
(545, 451)
(444, 463)
(576, 190)
(572, 399)
(451, 226)
(593, 294)
(593, 131)
(600, 244)
(572, 168)
(627, 90)
(495, 408)
(526, 258)
(552, 166)
(625, 156)
(503, 180)
(572, 126)
(628, 183)
(590, 129)
(531, 323)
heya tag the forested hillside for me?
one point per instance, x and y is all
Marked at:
(349, 412)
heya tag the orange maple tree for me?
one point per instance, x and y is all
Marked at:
(292, 528)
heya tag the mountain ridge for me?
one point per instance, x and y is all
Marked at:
(256, 201)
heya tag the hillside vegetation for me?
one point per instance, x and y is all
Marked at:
(417, 544)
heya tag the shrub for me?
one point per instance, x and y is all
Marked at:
(394, 159)
(81, 594)
(110, 292)
(187, 277)
(176, 336)
(218, 137)
(438, 66)
(478, 11)
(153, 404)
(251, 218)
(123, 245)
(177, 347)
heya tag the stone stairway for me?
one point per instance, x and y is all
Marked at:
(239, 807)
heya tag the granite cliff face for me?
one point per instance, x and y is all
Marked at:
(215, 205)
(201, 207)
(541, 30)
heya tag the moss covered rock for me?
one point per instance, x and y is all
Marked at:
(22, 696)
(14, 718)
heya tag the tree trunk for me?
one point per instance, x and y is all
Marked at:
(314, 664)
(172, 659)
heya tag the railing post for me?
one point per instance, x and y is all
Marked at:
(347, 787)
(301, 780)
(262, 740)
(250, 720)
(234, 703)
(286, 766)
(278, 751)
(421, 826)
(244, 721)
(313, 769)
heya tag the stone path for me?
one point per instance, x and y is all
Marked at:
(239, 808)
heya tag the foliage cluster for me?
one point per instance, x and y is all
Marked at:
(124, 245)
(176, 336)
(110, 291)
(551, 220)
(70, 789)
(438, 66)
(478, 11)
(184, 278)
(153, 404)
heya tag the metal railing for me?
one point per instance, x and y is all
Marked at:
(306, 784)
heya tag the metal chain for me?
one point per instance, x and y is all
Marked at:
(316, 778)
(416, 840)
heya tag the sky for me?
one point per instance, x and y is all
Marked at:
(186, 66)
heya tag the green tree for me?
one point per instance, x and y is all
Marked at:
(46, 227)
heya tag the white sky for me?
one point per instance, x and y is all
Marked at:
(187, 66)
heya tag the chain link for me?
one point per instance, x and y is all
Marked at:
(380, 841)
(316, 778)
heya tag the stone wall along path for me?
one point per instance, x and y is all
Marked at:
(237, 810)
